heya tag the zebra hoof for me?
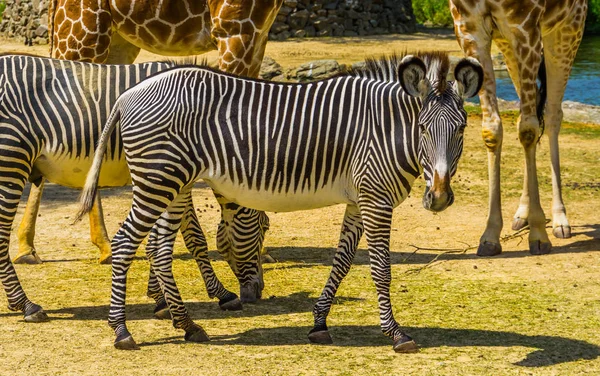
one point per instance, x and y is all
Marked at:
(161, 311)
(540, 248)
(322, 337)
(562, 232)
(250, 292)
(519, 223)
(231, 303)
(487, 249)
(36, 314)
(198, 335)
(29, 259)
(404, 344)
(126, 343)
(105, 261)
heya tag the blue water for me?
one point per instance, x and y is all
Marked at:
(584, 83)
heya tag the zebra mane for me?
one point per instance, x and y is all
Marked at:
(385, 68)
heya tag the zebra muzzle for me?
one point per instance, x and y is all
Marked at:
(439, 196)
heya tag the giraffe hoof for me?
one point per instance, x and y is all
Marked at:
(404, 344)
(35, 314)
(29, 259)
(320, 336)
(230, 303)
(126, 343)
(562, 232)
(540, 248)
(161, 311)
(197, 335)
(519, 223)
(267, 259)
(105, 261)
(487, 249)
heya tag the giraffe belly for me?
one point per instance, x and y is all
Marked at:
(282, 201)
(61, 170)
(196, 43)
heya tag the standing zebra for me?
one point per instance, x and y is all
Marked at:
(51, 116)
(359, 139)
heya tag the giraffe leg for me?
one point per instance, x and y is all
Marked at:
(528, 60)
(560, 48)
(27, 253)
(476, 42)
(121, 51)
(352, 229)
(196, 244)
(98, 233)
(161, 259)
(377, 221)
(520, 217)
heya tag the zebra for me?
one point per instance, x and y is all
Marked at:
(51, 116)
(360, 139)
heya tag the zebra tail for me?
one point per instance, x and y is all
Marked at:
(542, 94)
(88, 194)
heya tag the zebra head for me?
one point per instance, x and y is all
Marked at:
(442, 118)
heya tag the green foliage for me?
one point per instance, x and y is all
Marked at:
(434, 11)
(592, 25)
(2, 7)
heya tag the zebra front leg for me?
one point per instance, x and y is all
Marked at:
(161, 259)
(27, 253)
(239, 240)
(352, 229)
(377, 220)
(11, 190)
(195, 242)
(98, 233)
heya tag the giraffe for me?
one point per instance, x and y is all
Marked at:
(114, 32)
(520, 28)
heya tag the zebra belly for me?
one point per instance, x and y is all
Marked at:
(62, 170)
(282, 201)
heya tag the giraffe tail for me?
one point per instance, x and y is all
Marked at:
(88, 195)
(542, 94)
(51, 14)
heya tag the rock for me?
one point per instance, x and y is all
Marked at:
(315, 70)
(299, 33)
(298, 20)
(291, 3)
(310, 31)
(321, 24)
(269, 69)
(285, 10)
(278, 27)
(42, 31)
(285, 35)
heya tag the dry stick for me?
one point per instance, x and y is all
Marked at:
(445, 251)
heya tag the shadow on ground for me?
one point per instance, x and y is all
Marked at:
(324, 256)
(549, 350)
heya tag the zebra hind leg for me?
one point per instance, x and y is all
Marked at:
(10, 195)
(196, 243)
(161, 309)
(351, 232)
(161, 258)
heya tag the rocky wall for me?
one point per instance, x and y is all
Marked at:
(28, 19)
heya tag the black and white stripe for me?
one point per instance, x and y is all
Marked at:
(51, 118)
(359, 139)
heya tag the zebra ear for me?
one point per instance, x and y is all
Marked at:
(413, 76)
(469, 77)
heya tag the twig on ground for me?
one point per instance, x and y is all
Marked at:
(446, 251)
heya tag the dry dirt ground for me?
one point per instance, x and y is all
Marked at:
(511, 314)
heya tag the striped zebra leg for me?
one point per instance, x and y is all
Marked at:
(377, 220)
(161, 259)
(239, 240)
(352, 230)
(196, 244)
(12, 183)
